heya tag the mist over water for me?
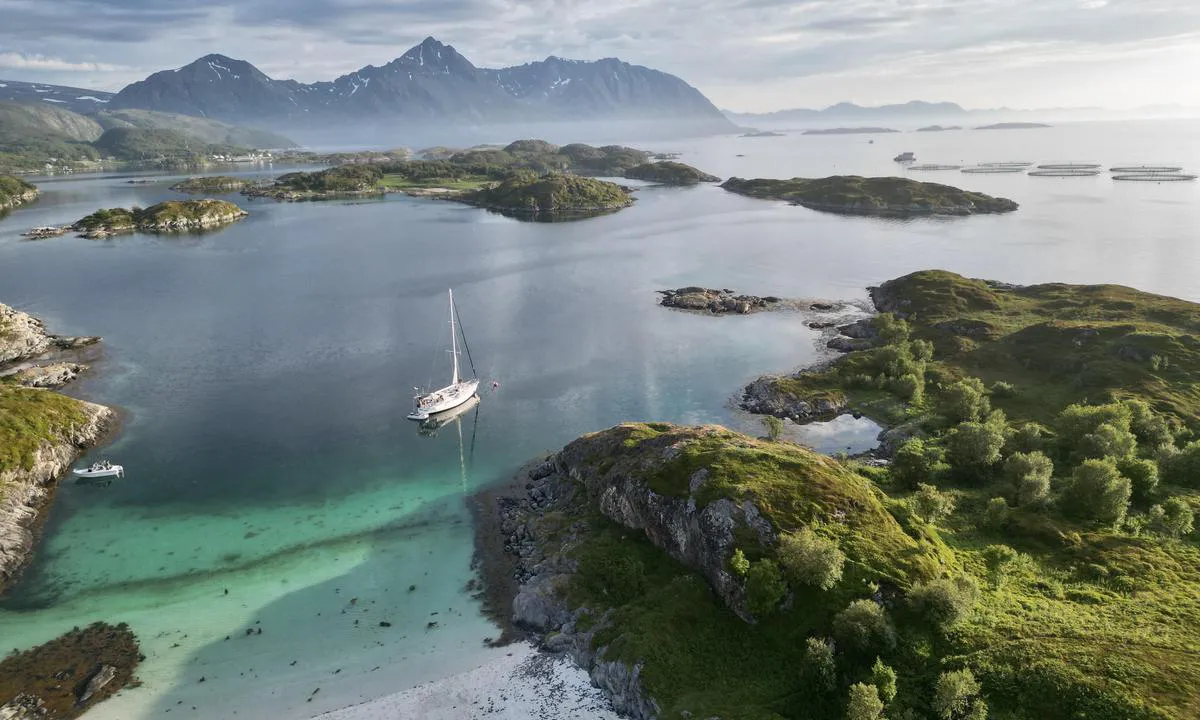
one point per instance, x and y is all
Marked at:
(266, 369)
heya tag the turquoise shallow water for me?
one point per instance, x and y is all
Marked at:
(266, 369)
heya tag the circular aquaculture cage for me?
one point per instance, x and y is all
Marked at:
(1154, 177)
(1008, 164)
(1138, 169)
(993, 169)
(934, 166)
(1069, 166)
(1064, 172)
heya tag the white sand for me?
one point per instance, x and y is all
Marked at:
(519, 683)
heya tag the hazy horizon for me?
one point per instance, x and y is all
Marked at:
(745, 56)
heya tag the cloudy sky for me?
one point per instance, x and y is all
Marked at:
(749, 55)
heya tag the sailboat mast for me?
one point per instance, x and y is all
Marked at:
(453, 340)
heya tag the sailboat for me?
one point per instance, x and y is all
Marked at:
(459, 391)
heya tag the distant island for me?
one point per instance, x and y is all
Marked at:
(850, 131)
(15, 191)
(939, 128)
(761, 134)
(878, 196)
(549, 196)
(212, 184)
(1012, 126)
(669, 172)
(169, 216)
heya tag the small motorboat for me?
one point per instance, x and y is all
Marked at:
(905, 157)
(101, 469)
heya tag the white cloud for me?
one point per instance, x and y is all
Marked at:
(23, 61)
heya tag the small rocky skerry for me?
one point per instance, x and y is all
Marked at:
(169, 216)
(875, 196)
(212, 184)
(717, 302)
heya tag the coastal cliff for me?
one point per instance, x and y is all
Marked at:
(624, 533)
(41, 432)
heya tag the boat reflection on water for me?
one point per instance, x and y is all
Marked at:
(430, 426)
(437, 421)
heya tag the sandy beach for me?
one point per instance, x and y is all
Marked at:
(518, 683)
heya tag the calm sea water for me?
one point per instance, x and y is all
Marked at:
(266, 368)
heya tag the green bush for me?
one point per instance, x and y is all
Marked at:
(1174, 517)
(914, 463)
(973, 448)
(618, 577)
(1002, 389)
(943, 602)
(1098, 493)
(1076, 421)
(892, 330)
(764, 588)
(999, 558)
(965, 401)
(738, 563)
(1107, 440)
(1152, 430)
(910, 387)
(864, 627)
(932, 505)
(773, 426)
(1029, 473)
(809, 559)
(864, 703)
(818, 671)
(996, 514)
(884, 679)
(1143, 477)
(954, 694)
(1026, 437)
(1183, 468)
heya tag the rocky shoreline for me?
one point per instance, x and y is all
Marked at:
(169, 216)
(27, 488)
(26, 196)
(525, 567)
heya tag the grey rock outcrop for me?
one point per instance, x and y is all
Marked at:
(765, 397)
(97, 682)
(21, 336)
(24, 707)
(54, 375)
(717, 302)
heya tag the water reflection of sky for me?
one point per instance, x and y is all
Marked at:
(844, 433)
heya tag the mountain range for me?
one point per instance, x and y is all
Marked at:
(431, 84)
(922, 112)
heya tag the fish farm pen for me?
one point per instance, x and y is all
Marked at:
(994, 169)
(1154, 177)
(1146, 169)
(934, 166)
(1064, 172)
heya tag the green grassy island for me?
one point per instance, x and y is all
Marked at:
(553, 195)
(15, 191)
(212, 184)
(452, 174)
(669, 172)
(172, 215)
(879, 196)
(1027, 553)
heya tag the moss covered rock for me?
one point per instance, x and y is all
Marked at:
(212, 184)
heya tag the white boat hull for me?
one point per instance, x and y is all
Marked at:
(113, 471)
(447, 398)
